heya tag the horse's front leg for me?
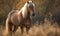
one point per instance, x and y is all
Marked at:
(27, 28)
(28, 25)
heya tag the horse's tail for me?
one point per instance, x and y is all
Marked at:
(7, 20)
(7, 23)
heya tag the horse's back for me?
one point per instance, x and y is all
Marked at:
(13, 11)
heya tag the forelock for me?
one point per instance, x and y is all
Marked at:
(30, 1)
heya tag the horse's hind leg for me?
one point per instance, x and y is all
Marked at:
(15, 28)
(10, 29)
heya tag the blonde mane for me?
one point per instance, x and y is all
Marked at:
(23, 10)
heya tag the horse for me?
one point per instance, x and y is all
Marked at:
(21, 18)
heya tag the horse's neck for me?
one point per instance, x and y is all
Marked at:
(24, 11)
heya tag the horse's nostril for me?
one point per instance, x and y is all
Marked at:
(33, 14)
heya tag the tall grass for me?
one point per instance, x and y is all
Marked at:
(37, 30)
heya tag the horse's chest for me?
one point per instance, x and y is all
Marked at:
(24, 15)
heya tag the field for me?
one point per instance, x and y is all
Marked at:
(43, 7)
(37, 30)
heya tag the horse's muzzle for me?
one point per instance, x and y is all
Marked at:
(33, 14)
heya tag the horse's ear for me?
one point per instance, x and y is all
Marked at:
(32, 1)
(28, 2)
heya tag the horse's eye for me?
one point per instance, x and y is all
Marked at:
(28, 2)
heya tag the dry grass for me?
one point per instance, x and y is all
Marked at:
(37, 30)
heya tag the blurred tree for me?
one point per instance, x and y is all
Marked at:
(6, 6)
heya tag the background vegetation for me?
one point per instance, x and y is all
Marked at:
(45, 8)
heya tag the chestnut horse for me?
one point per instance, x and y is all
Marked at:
(21, 18)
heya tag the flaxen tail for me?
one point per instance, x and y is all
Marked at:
(7, 23)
